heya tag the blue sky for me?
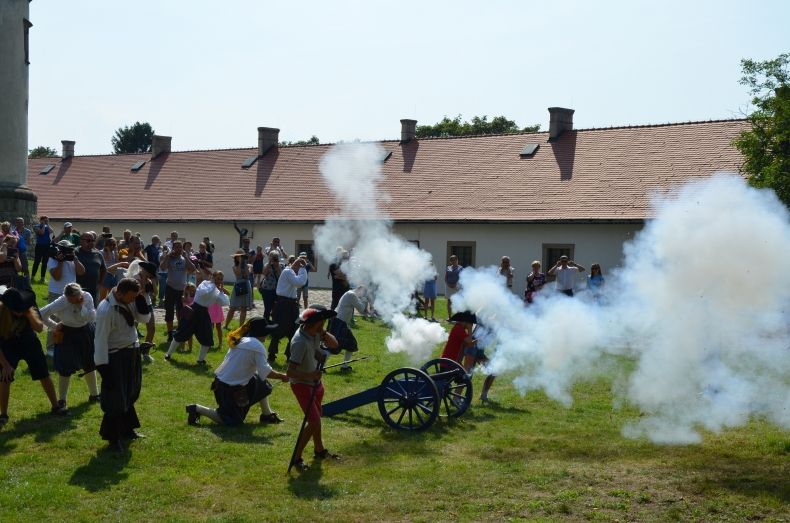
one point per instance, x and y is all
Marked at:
(209, 73)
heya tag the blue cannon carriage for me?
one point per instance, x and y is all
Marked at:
(411, 399)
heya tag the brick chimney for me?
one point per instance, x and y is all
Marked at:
(560, 120)
(68, 149)
(268, 137)
(159, 145)
(408, 130)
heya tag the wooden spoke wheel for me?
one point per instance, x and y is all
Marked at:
(453, 383)
(408, 399)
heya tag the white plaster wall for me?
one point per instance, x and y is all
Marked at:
(523, 243)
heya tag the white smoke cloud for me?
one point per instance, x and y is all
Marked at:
(391, 267)
(701, 307)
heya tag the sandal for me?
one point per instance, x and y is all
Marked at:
(325, 454)
(300, 465)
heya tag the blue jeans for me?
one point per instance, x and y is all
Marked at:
(162, 284)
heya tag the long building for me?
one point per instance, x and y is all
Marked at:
(582, 192)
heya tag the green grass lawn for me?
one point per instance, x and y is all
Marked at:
(521, 458)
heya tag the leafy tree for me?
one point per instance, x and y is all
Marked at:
(312, 141)
(135, 138)
(42, 151)
(478, 125)
(766, 146)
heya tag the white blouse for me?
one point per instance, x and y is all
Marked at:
(70, 315)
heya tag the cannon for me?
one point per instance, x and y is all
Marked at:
(411, 399)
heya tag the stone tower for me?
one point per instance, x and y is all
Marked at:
(16, 199)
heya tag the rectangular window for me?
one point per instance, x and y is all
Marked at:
(552, 253)
(465, 252)
(306, 246)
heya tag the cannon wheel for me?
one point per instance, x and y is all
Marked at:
(408, 399)
(456, 395)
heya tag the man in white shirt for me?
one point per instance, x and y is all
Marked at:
(286, 307)
(275, 246)
(565, 270)
(118, 360)
(240, 380)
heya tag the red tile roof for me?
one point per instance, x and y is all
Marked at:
(585, 175)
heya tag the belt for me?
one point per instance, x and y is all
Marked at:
(113, 351)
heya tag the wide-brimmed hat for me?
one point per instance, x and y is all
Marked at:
(464, 317)
(260, 328)
(315, 313)
(65, 243)
(18, 300)
(148, 267)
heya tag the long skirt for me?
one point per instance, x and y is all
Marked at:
(75, 352)
(120, 392)
(234, 401)
(345, 337)
(197, 324)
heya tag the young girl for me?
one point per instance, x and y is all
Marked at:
(189, 297)
(111, 261)
(535, 282)
(215, 311)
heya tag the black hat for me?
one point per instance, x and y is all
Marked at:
(315, 313)
(148, 267)
(464, 317)
(18, 300)
(260, 328)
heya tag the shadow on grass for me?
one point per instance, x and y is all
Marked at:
(191, 366)
(307, 485)
(241, 433)
(753, 477)
(44, 425)
(104, 470)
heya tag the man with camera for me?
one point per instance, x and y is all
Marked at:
(275, 246)
(177, 265)
(63, 267)
(286, 308)
(93, 262)
(69, 234)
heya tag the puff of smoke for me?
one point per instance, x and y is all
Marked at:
(708, 295)
(388, 265)
(550, 345)
(701, 306)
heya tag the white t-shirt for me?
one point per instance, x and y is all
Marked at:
(69, 275)
(566, 278)
(242, 362)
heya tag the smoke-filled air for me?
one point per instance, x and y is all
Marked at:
(693, 329)
(390, 267)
